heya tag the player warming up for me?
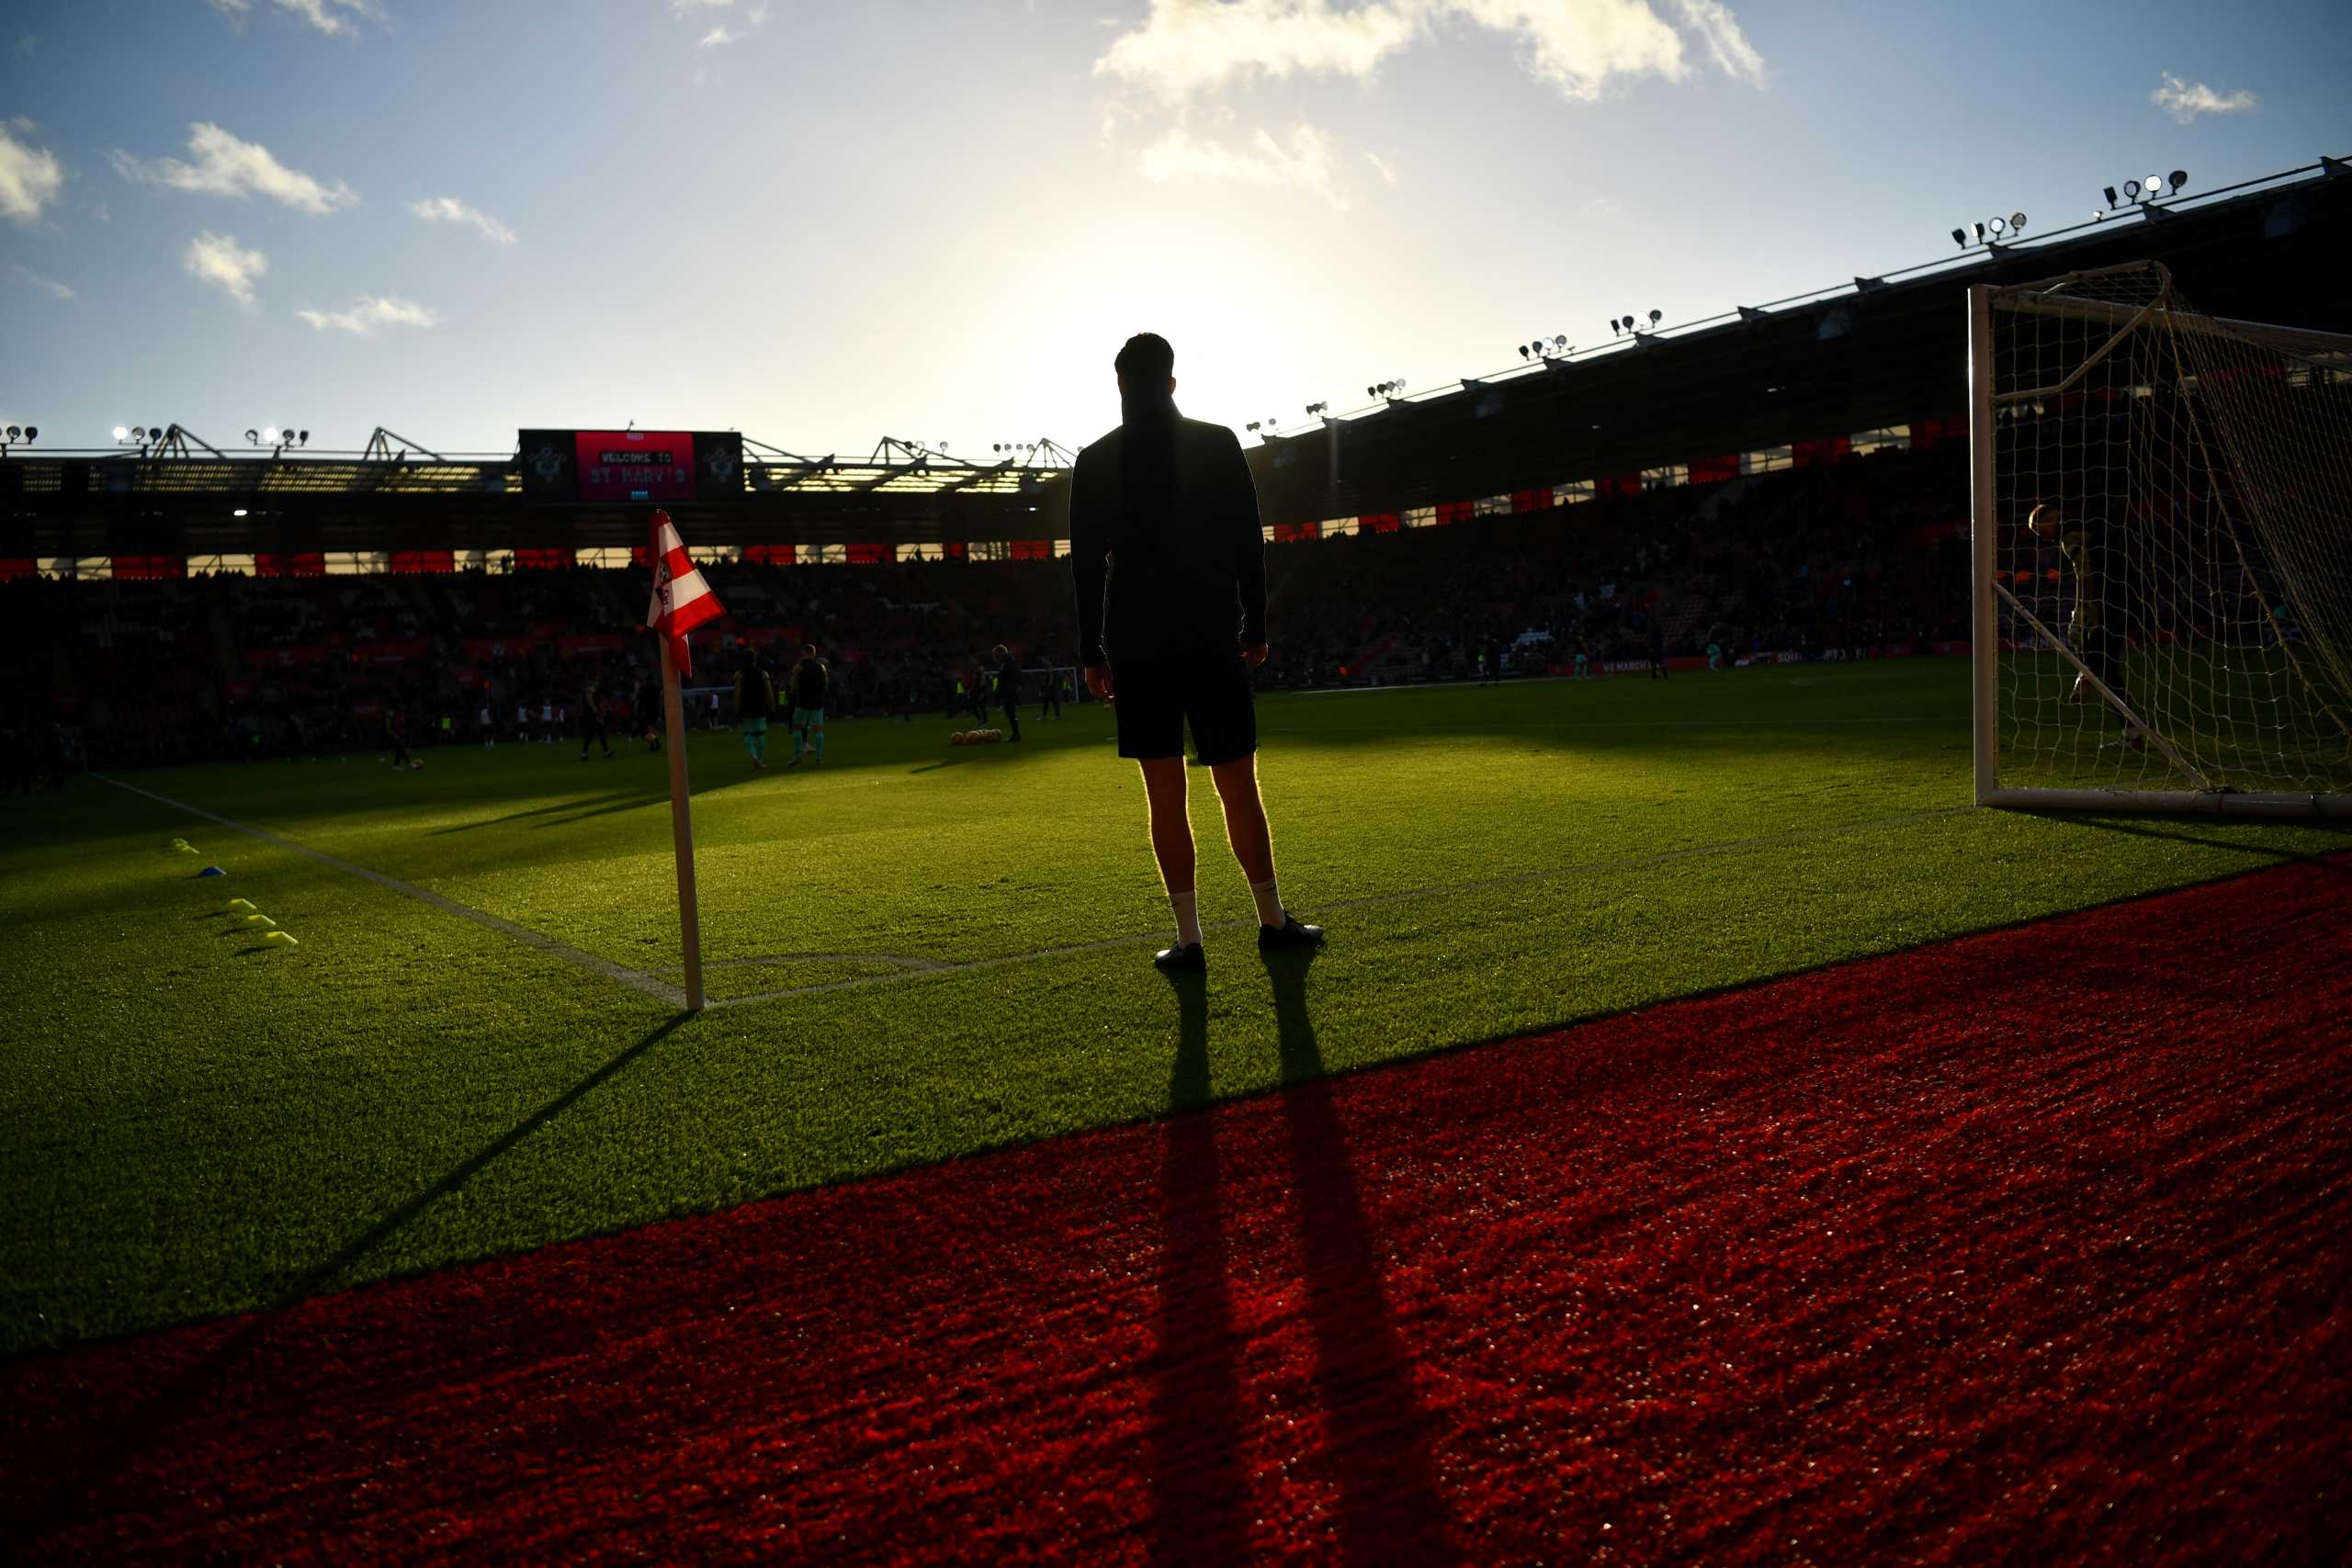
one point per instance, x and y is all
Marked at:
(810, 678)
(592, 720)
(1008, 687)
(396, 738)
(754, 700)
(1169, 566)
(2093, 631)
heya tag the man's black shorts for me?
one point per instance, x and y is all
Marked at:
(1154, 700)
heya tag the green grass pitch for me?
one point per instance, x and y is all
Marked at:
(197, 1123)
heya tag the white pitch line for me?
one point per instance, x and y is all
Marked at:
(635, 979)
(1621, 863)
(926, 969)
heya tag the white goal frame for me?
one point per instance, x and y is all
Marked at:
(1989, 592)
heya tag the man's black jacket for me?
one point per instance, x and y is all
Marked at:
(1173, 570)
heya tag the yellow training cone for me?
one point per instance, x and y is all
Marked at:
(244, 905)
(260, 921)
(283, 938)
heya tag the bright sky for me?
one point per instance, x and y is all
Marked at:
(822, 223)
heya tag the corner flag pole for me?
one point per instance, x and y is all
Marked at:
(682, 601)
(682, 826)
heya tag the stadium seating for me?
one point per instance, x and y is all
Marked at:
(1863, 555)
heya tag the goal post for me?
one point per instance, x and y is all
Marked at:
(2161, 552)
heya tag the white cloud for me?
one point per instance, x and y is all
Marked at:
(2185, 101)
(719, 37)
(1193, 46)
(30, 176)
(1304, 164)
(369, 312)
(1577, 47)
(48, 285)
(325, 15)
(219, 260)
(226, 166)
(1380, 165)
(1726, 45)
(450, 209)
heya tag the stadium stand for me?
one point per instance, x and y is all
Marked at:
(1696, 477)
(1851, 556)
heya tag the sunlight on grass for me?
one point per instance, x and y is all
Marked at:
(198, 1123)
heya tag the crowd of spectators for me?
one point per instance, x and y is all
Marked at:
(1861, 556)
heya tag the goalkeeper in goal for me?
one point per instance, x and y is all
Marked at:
(2096, 629)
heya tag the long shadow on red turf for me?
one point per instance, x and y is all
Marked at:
(1377, 1451)
(1197, 1475)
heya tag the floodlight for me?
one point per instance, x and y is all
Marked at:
(2016, 221)
(2108, 192)
(1960, 238)
(32, 433)
(253, 438)
(1561, 342)
(2154, 181)
(305, 437)
(2130, 190)
(15, 433)
(2180, 178)
(269, 436)
(2000, 225)
(1656, 317)
(121, 433)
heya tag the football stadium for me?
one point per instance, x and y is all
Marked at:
(615, 997)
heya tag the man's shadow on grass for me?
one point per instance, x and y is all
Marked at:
(1377, 1453)
(242, 1358)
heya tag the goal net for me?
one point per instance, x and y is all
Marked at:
(2163, 552)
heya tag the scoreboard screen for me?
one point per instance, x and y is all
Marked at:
(631, 465)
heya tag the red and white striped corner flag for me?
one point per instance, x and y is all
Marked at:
(682, 600)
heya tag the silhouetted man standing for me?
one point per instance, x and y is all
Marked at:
(1170, 571)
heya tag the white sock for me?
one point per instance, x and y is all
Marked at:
(1188, 916)
(1270, 903)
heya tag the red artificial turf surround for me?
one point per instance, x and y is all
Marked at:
(2029, 1244)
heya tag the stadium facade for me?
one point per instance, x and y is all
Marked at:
(1877, 362)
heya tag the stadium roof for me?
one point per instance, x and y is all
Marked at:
(1863, 355)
